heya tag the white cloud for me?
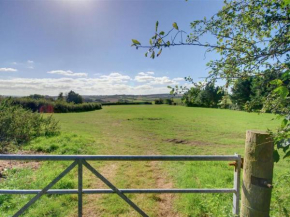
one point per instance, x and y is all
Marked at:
(145, 73)
(178, 79)
(30, 64)
(8, 70)
(163, 80)
(144, 77)
(142, 73)
(68, 73)
(113, 83)
(115, 77)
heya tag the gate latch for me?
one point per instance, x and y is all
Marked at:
(235, 163)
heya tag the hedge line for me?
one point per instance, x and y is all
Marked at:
(49, 106)
(127, 103)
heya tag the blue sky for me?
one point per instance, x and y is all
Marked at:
(53, 46)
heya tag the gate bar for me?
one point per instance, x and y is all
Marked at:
(80, 188)
(237, 186)
(120, 157)
(124, 191)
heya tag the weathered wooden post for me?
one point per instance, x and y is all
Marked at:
(257, 174)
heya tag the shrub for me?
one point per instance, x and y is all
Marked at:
(169, 101)
(18, 125)
(158, 101)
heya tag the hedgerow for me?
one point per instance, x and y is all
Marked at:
(19, 125)
(50, 106)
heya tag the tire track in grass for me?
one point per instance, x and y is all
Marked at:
(90, 201)
(163, 181)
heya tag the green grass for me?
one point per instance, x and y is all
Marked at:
(146, 130)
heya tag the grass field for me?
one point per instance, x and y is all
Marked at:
(145, 130)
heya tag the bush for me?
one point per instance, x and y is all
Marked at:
(18, 125)
(158, 101)
(169, 101)
(64, 107)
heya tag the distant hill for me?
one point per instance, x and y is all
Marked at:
(127, 98)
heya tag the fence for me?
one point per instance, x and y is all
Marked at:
(81, 160)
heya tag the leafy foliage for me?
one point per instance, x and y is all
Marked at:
(203, 95)
(252, 39)
(18, 125)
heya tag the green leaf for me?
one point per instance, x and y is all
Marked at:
(282, 91)
(152, 55)
(175, 25)
(286, 2)
(286, 75)
(136, 42)
(161, 33)
(276, 156)
(146, 54)
(150, 41)
(159, 52)
(156, 26)
(277, 82)
(287, 155)
(168, 43)
(284, 123)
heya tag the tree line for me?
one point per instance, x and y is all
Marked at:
(248, 94)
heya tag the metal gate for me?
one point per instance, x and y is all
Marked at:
(81, 160)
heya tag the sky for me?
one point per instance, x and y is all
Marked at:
(53, 46)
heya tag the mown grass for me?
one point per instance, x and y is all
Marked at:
(144, 130)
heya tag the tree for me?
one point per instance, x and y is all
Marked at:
(225, 102)
(241, 92)
(74, 97)
(60, 97)
(203, 95)
(190, 96)
(210, 96)
(36, 96)
(252, 37)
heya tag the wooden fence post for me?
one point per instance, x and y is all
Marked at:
(257, 174)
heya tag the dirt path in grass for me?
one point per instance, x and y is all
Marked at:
(162, 180)
(90, 201)
(165, 202)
